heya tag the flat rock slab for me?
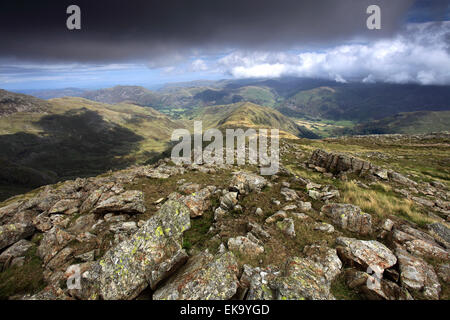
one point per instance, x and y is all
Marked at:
(127, 202)
(361, 253)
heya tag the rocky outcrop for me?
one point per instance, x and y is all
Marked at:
(303, 279)
(245, 246)
(149, 256)
(15, 254)
(323, 193)
(287, 227)
(99, 224)
(11, 233)
(259, 283)
(418, 242)
(374, 288)
(327, 258)
(289, 194)
(53, 242)
(417, 275)
(364, 254)
(246, 182)
(349, 217)
(197, 202)
(128, 201)
(204, 277)
(441, 233)
(300, 279)
(338, 163)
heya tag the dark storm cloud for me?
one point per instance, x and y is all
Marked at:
(167, 29)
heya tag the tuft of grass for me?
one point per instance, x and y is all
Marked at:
(381, 201)
(27, 279)
(341, 291)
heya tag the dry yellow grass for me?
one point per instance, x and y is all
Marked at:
(379, 200)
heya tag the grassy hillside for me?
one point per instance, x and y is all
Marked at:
(77, 137)
(249, 115)
(312, 99)
(11, 103)
(364, 102)
(408, 123)
(118, 94)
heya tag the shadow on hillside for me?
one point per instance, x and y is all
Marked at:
(75, 144)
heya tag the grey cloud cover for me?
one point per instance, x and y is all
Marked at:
(217, 38)
(122, 30)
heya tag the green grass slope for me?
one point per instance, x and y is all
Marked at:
(76, 137)
(249, 115)
(407, 122)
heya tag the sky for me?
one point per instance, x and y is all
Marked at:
(153, 42)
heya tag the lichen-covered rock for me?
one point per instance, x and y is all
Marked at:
(299, 215)
(246, 182)
(349, 217)
(147, 257)
(66, 206)
(415, 233)
(53, 242)
(287, 227)
(198, 202)
(364, 254)
(245, 246)
(204, 277)
(163, 171)
(48, 293)
(258, 231)
(279, 215)
(326, 257)
(83, 224)
(381, 173)
(419, 243)
(426, 249)
(374, 288)
(441, 233)
(8, 211)
(259, 283)
(11, 233)
(189, 188)
(417, 275)
(443, 271)
(337, 163)
(401, 179)
(303, 279)
(61, 260)
(123, 227)
(128, 201)
(90, 201)
(19, 249)
(304, 206)
(387, 225)
(324, 227)
(289, 194)
(228, 200)
(423, 201)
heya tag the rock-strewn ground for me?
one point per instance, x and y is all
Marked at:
(329, 225)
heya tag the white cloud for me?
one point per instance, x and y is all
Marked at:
(420, 54)
(199, 65)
